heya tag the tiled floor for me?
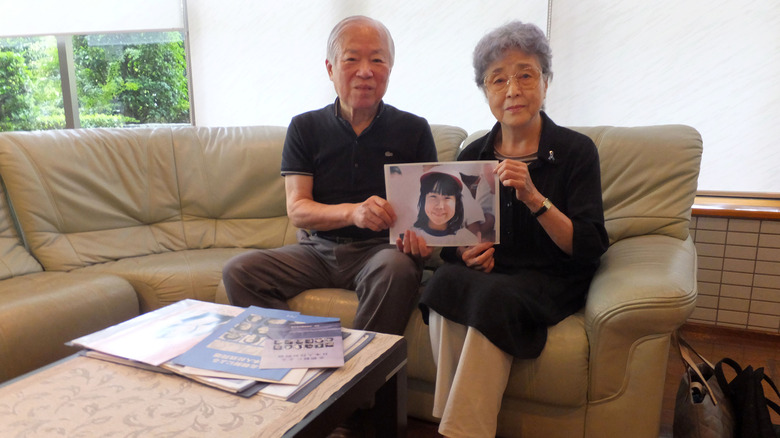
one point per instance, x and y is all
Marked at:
(747, 348)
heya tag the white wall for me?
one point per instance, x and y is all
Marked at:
(263, 61)
(711, 64)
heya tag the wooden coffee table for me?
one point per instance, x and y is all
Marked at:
(80, 396)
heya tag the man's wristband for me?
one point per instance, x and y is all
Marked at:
(546, 205)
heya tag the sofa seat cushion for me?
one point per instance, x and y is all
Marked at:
(169, 277)
(332, 302)
(558, 377)
(40, 312)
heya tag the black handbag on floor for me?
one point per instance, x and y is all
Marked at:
(701, 409)
(748, 400)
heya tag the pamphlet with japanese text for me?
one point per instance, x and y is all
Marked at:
(242, 346)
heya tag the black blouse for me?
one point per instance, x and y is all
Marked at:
(567, 172)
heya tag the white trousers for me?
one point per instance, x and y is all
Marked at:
(471, 377)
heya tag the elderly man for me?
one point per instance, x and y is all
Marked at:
(333, 164)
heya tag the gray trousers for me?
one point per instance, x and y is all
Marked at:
(385, 279)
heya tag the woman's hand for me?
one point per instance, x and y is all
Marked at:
(556, 224)
(512, 173)
(414, 246)
(479, 256)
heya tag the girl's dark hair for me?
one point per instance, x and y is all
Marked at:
(442, 184)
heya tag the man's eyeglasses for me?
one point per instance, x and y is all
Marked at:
(526, 79)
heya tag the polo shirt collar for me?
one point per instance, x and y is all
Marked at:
(337, 110)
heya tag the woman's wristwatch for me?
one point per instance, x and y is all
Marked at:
(546, 205)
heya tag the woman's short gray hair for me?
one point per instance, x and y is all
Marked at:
(335, 35)
(516, 35)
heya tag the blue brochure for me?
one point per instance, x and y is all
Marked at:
(238, 346)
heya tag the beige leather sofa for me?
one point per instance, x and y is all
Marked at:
(101, 225)
(105, 224)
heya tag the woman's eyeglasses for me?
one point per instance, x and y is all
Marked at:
(526, 79)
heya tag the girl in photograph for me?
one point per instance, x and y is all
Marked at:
(440, 217)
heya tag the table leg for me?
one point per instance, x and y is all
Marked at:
(389, 411)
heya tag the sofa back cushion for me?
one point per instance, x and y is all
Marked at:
(14, 258)
(448, 140)
(96, 195)
(231, 188)
(232, 191)
(91, 196)
(649, 176)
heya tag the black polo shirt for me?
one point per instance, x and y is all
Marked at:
(348, 168)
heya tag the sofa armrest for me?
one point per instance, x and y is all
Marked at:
(645, 288)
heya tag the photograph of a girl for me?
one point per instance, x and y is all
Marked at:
(440, 217)
(448, 204)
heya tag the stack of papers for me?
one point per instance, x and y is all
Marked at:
(231, 348)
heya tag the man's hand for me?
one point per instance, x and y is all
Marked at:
(374, 213)
(479, 256)
(414, 246)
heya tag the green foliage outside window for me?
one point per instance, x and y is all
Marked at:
(15, 85)
(155, 90)
(121, 79)
(41, 95)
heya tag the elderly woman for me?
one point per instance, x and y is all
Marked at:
(490, 304)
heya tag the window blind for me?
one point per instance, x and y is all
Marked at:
(53, 17)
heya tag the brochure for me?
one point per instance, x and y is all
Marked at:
(241, 346)
(447, 203)
(353, 340)
(158, 336)
(306, 345)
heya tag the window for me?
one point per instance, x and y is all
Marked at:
(98, 64)
(137, 78)
(122, 79)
